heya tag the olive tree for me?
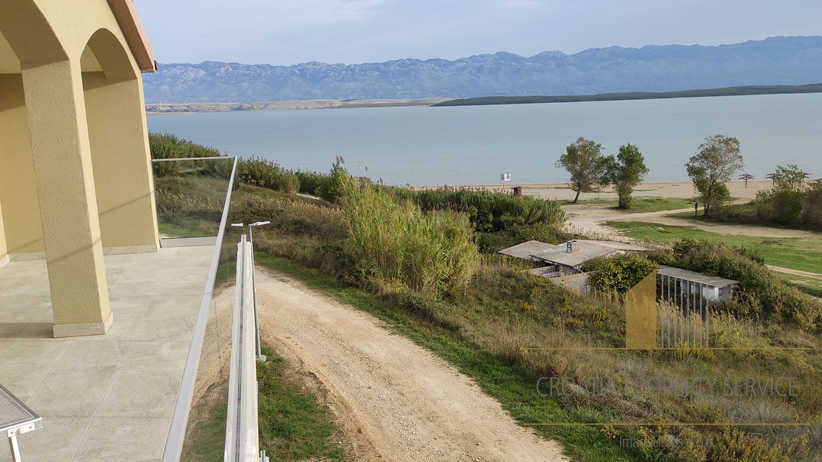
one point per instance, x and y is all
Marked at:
(625, 171)
(584, 161)
(713, 165)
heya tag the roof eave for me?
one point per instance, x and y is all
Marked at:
(126, 15)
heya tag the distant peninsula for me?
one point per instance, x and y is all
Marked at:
(727, 91)
(297, 104)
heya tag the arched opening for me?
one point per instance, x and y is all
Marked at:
(48, 197)
(25, 37)
(119, 146)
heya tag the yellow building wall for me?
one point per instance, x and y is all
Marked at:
(18, 195)
(122, 170)
(4, 252)
(90, 169)
(117, 131)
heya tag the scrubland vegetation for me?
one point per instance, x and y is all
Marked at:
(425, 263)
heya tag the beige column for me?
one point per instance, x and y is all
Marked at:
(68, 207)
(122, 163)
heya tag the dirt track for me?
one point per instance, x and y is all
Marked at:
(394, 399)
(591, 218)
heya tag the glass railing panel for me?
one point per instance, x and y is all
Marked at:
(207, 362)
(190, 195)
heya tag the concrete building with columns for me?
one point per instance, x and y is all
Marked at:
(75, 167)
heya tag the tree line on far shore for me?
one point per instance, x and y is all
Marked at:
(791, 201)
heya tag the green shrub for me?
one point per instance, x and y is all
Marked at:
(619, 273)
(812, 206)
(394, 240)
(492, 212)
(266, 174)
(310, 182)
(167, 146)
(769, 296)
(780, 206)
(333, 187)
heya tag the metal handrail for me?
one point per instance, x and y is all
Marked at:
(242, 437)
(176, 434)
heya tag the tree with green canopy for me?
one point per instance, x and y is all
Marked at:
(713, 165)
(625, 171)
(584, 161)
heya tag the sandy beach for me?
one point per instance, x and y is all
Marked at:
(739, 191)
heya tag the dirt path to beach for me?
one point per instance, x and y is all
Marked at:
(395, 400)
(588, 218)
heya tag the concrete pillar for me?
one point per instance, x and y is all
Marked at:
(18, 193)
(68, 205)
(121, 163)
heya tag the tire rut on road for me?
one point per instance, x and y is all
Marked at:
(394, 399)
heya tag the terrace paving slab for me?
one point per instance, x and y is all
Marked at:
(106, 397)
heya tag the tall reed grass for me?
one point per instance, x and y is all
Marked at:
(395, 241)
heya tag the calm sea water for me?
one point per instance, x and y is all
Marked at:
(473, 145)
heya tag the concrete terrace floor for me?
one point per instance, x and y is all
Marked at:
(109, 397)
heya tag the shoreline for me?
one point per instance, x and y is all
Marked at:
(185, 108)
(561, 191)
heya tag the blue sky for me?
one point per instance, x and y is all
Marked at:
(287, 32)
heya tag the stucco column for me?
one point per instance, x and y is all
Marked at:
(122, 163)
(68, 206)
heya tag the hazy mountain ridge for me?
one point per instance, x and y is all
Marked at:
(773, 61)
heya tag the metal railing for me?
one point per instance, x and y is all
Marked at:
(242, 439)
(684, 314)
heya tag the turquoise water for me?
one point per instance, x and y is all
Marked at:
(473, 145)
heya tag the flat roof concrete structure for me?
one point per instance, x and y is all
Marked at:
(699, 278)
(109, 397)
(581, 251)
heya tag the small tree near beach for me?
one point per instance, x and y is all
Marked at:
(584, 161)
(746, 177)
(713, 165)
(625, 171)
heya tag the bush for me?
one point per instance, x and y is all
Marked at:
(769, 296)
(394, 241)
(266, 174)
(780, 206)
(812, 206)
(619, 273)
(332, 188)
(492, 212)
(311, 182)
(166, 146)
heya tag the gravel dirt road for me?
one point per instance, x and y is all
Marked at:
(591, 218)
(394, 399)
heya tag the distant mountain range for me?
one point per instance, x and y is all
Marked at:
(773, 61)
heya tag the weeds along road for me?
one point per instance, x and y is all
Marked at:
(394, 400)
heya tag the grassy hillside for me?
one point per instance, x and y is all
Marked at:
(426, 266)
